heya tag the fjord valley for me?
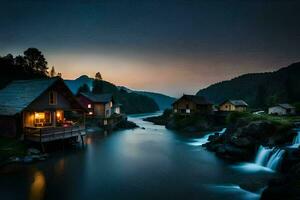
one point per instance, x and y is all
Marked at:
(256, 139)
(149, 99)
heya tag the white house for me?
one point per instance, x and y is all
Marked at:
(282, 109)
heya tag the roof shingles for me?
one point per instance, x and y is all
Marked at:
(19, 94)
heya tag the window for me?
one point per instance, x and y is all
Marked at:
(52, 98)
(89, 106)
(42, 118)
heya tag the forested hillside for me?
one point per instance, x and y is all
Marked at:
(259, 89)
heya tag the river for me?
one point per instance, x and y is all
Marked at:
(150, 163)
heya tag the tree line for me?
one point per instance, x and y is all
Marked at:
(32, 64)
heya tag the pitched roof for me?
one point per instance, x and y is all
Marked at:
(236, 102)
(19, 94)
(286, 106)
(98, 98)
(200, 100)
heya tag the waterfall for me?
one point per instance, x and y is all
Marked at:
(269, 157)
(203, 140)
(263, 155)
(296, 142)
(275, 159)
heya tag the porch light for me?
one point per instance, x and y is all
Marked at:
(58, 115)
(90, 113)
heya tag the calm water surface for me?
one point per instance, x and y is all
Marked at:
(150, 163)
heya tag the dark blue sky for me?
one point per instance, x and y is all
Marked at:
(184, 44)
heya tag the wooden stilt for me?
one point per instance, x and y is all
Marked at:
(42, 147)
(82, 141)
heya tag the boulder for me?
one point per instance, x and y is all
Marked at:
(284, 187)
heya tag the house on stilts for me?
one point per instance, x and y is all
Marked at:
(40, 110)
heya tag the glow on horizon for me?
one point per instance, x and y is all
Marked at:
(170, 75)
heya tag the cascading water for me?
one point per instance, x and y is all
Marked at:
(203, 140)
(275, 159)
(262, 155)
(296, 142)
(269, 157)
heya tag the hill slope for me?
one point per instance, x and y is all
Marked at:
(260, 89)
(163, 101)
(131, 102)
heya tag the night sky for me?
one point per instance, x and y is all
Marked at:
(174, 47)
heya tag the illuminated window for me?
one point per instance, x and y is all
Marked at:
(89, 106)
(42, 118)
(59, 115)
(110, 104)
(52, 98)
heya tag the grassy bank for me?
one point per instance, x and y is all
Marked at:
(282, 122)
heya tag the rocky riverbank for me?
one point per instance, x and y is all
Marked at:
(193, 123)
(242, 138)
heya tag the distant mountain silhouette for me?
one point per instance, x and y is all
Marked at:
(131, 102)
(259, 89)
(162, 100)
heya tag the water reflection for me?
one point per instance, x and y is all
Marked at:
(37, 189)
(60, 167)
(143, 163)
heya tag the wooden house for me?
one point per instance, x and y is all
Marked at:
(233, 105)
(40, 110)
(282, 109)
(101, 105)
(188, 104)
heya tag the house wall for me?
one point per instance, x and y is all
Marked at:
(186, 106)
(277, 110)
(183, 105)
(240, 108)
(230, 107)
(99, 109)
(227, 107)
(108, 111)
(28, 118)
(84, 101)
(42, 102)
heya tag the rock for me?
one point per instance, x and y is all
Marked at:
(241, 139)
(243, 142)
(232, 152)
(126, 125)
(284, 187)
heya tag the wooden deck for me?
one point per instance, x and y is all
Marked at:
(49, 134)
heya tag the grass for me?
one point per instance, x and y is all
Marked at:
(11, 147)
(283, 122)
